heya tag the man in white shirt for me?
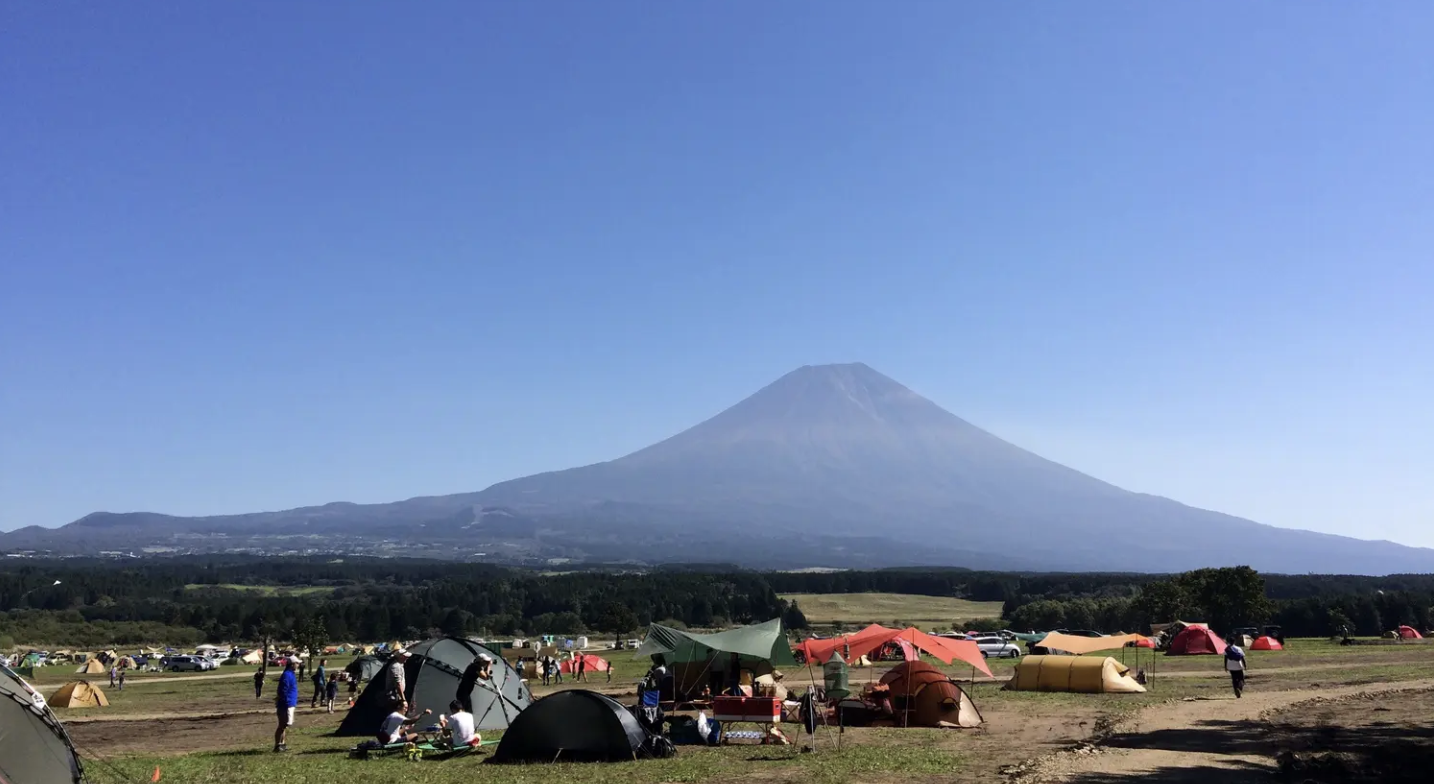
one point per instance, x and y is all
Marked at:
(1235, 665)
(391, 730)
(460, 726)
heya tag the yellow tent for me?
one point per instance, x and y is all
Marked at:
(78, 694)
(1093, 675)
(126, 663)
(93, 667)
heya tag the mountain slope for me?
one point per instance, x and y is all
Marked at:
(832, 464)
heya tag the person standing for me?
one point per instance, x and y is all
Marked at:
(114, 671)
(121, 680)
(480, 669)
(259, 683)
(331, 692)
(286, 700)
(397, 687)
(320, 682)
(1235, 665)
(582, 667)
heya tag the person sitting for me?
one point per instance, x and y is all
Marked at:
(392, 730)
(459, 724)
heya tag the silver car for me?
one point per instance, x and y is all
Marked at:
(998, 647)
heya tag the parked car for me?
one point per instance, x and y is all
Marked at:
(998, 647)
(188, 664)
(634, 644)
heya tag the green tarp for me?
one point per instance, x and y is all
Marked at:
(764, 641)
(1033, 638)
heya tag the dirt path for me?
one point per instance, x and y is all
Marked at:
(1186, 741)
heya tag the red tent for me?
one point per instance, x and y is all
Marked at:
(1196, 641)
(1143, 642)
(1266, 644)
(1409, 633)
(590, 662)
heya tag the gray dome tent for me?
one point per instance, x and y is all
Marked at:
(432, 675)
(573, 726)
(364, 668)
(34, 747)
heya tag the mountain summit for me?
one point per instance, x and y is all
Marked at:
(829, 464)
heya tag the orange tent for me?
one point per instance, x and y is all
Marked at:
(1143, 642)
(1409, 633)
(1266, 644)
(590, 662)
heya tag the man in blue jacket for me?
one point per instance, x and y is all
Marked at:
(285, 701)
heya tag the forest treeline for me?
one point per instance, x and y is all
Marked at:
(185, 600)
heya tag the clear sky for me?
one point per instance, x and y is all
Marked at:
(268, 254)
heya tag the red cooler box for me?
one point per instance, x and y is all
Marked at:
(763, 709)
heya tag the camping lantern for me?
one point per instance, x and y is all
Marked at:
(835, 674)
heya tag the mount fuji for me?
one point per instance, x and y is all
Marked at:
(829, 465)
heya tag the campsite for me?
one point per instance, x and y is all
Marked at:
(209, 727)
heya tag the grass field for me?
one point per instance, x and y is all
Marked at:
(863, 608)
(202, 728)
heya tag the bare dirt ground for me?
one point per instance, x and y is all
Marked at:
(1346, 734)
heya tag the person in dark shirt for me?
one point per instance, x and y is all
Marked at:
(480, 669)
(320, 681)
(259, 683)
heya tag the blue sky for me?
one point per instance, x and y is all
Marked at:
(275, 254)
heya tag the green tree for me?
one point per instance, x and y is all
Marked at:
(311, 636)
(1230, 597)
(617, 618)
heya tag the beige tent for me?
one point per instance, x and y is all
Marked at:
(78, 694)
(1055, 641)
(93, 667)
(253, 657)
(1086, 675)
(127, 663)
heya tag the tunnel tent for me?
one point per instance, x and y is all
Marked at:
(36, 748)
(431, 676)
(1079, 674)
(573, 726)
(926, 697)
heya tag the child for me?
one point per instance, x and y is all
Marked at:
(331, 692)
(121, 680)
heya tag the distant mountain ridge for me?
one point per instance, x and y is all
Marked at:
(828, 465)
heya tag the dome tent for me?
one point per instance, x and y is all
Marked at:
(1409, 633)
(573, 726)
(1196, 641)
(928, 698)
(79, 694)
(364, 668)
(92, 667)
(37, 749)
(1266, 644)
(431, 677)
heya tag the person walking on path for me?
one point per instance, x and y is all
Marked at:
(121, 680)
(1235, 665)
(320, 682)
(286, 700)
(259, 683)
(114, 672)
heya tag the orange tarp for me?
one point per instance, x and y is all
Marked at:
(946, 650)
(1070, 643)
(821, 651)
